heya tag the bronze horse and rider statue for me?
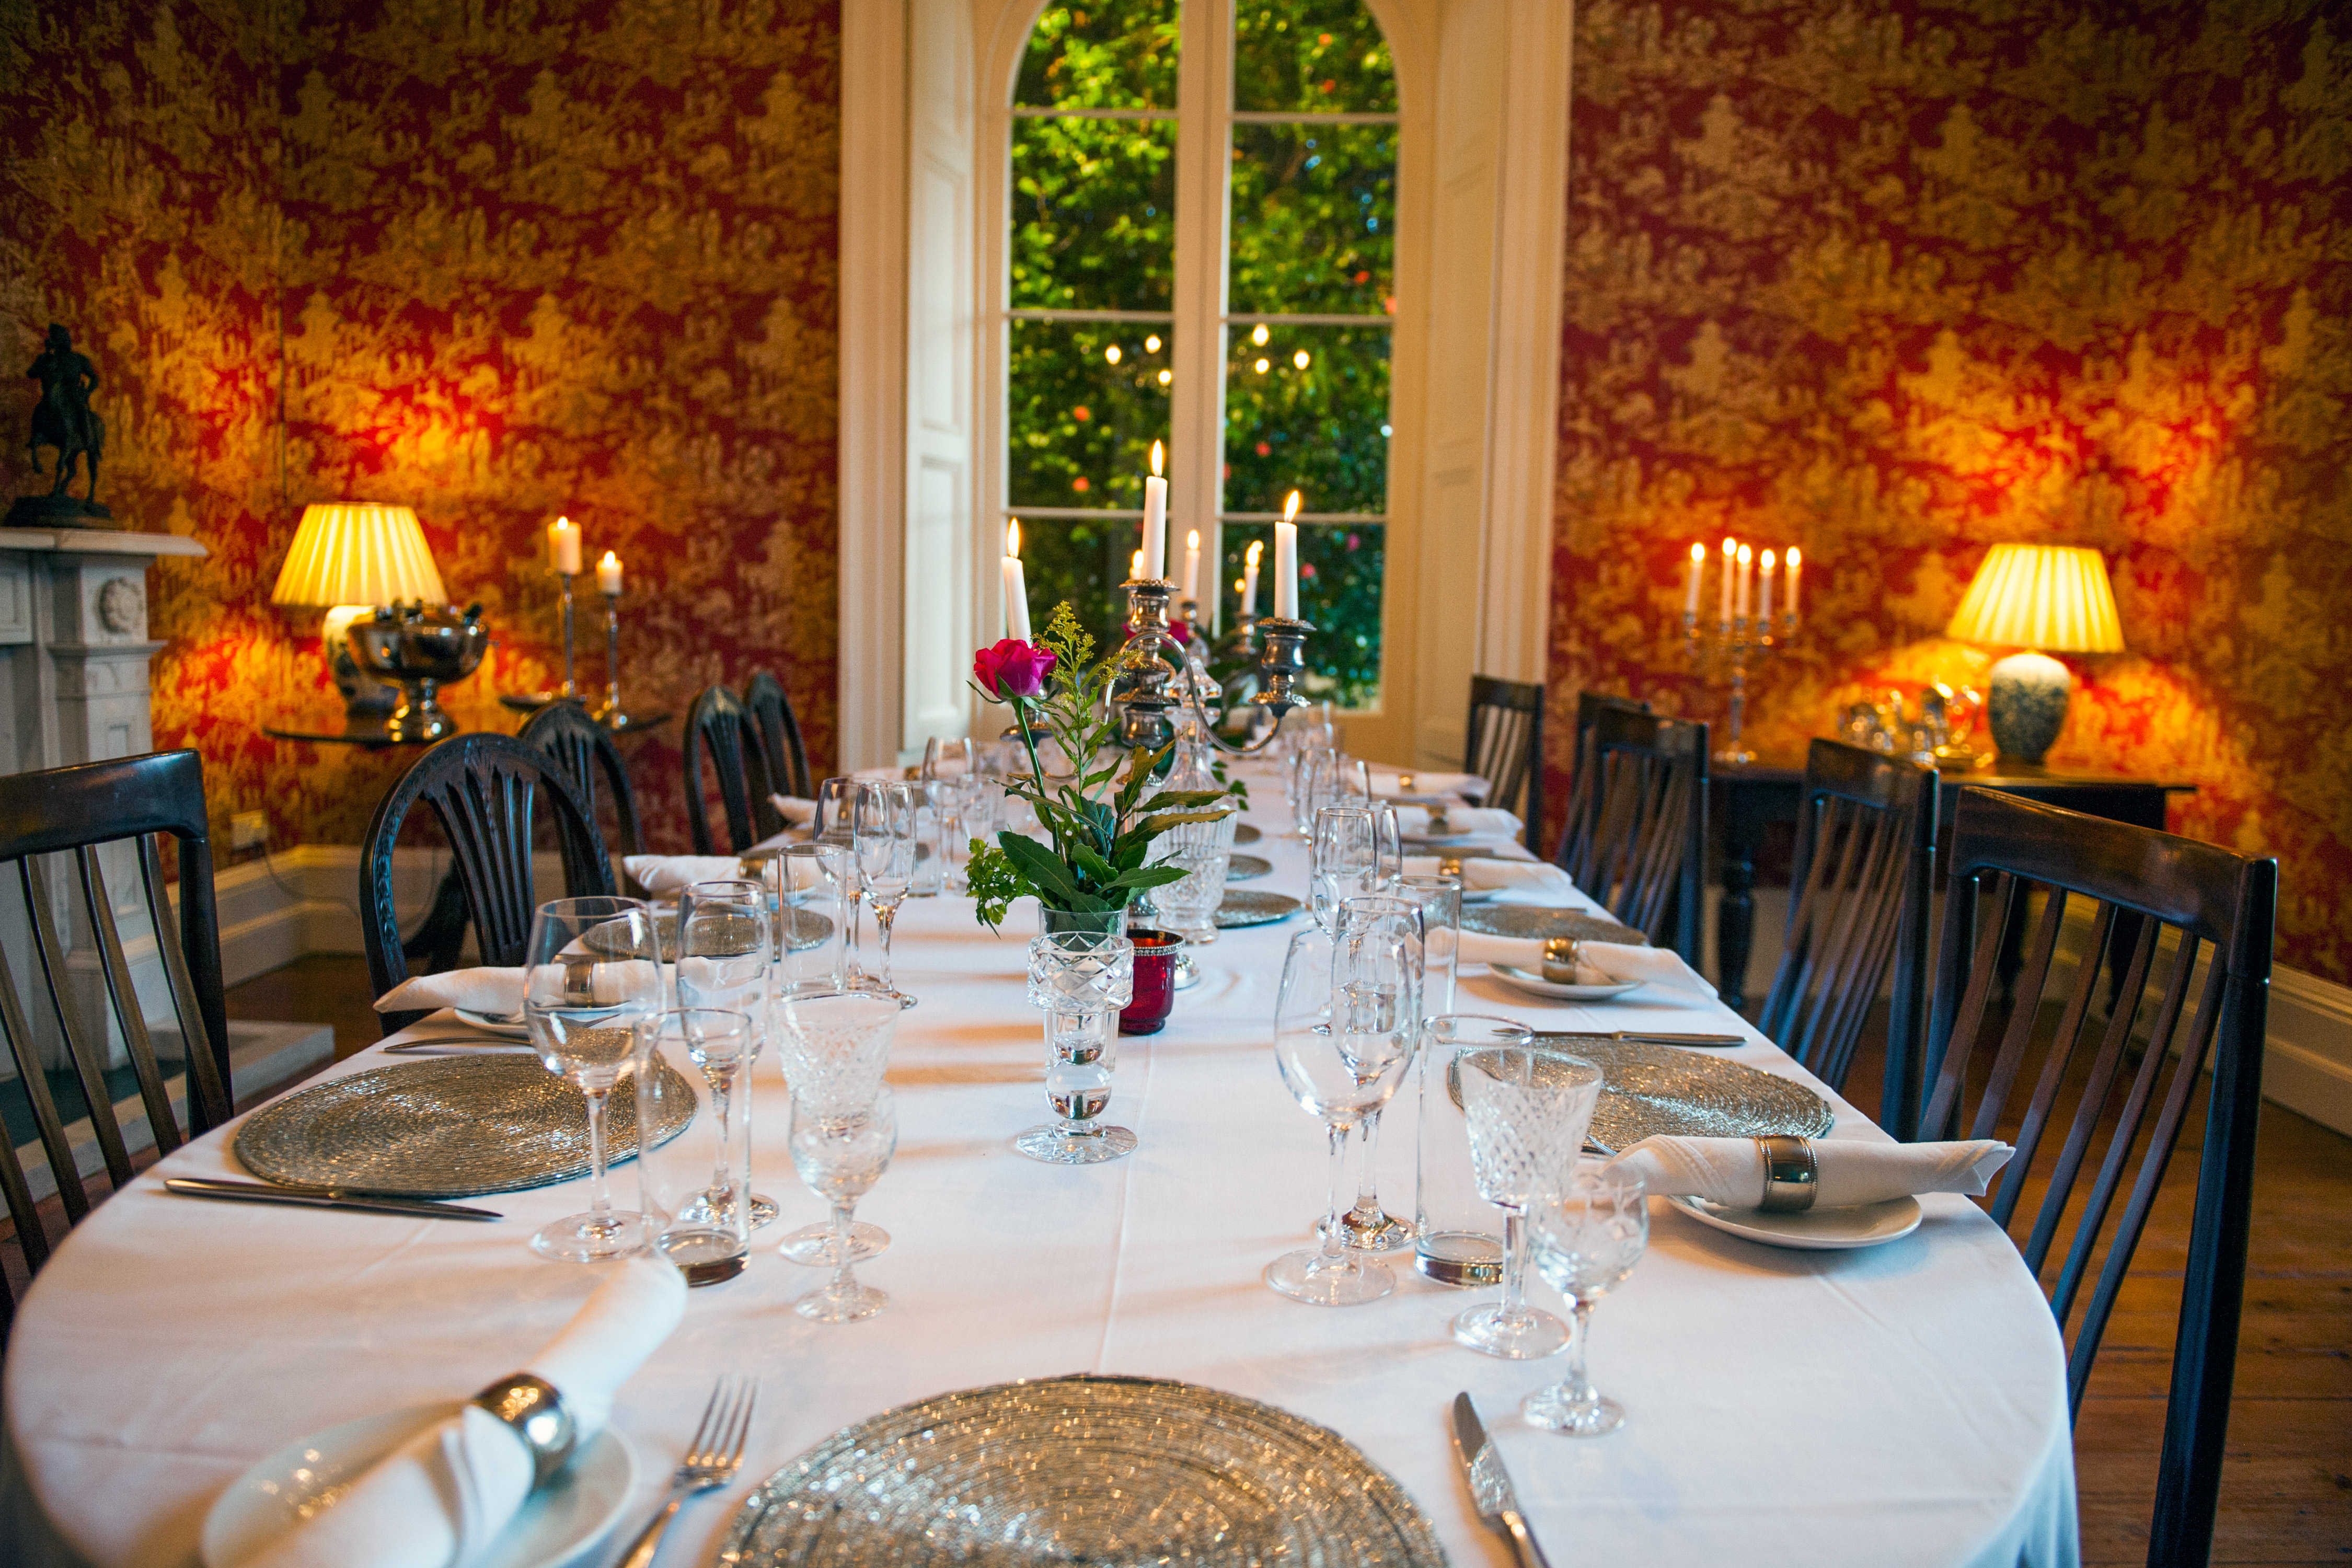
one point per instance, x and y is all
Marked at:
(65, 420)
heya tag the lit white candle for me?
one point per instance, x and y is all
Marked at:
(1796, 565)
(563, 547)
(1730, 577)
(1764, 595)
(1690, 583)
(608, 575)
(1747, 581)
(1286, 560)
(1192, 565)
(1016, 585)
(1154, 553)
(1249, 580)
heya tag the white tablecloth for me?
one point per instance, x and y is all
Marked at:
(1901, 1405)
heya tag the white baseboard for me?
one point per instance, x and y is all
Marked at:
(2307, 1060)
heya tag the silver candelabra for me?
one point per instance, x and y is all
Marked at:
(1726, 647)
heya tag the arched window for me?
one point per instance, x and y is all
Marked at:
(1251, 333)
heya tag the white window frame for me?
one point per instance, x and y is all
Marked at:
(926, 91)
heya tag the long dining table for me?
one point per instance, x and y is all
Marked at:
(1904, 1403)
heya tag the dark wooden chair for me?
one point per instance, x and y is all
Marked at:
(484, 790)
(780, 736)
(722, 740)
(85, 817)
(1580, 833)
(1503, 745)
(583, 752)
(1649, 862)
(2155, 901)
(1865, 855)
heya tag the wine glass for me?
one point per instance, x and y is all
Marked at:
(1369, 1227)
(592, 985)
(1528, 1108)
(835, 1047)
(836, 801)
(724, 958)
(882, 837)
(1081, 979)
(953, 757)
(1588, 1236)
(841, 1148)
(1343, 1033)
(1342, 860)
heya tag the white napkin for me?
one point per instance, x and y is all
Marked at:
(1730, 1171)
(1526, 881)
(662, 874)
(1390, 782)
(496, 991)
(447, 1493)
(1483, 821)
(1660, 966)
(796, 812)
(611, 982)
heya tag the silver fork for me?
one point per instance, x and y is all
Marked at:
(711, 1460)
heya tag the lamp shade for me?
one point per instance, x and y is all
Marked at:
(358, 552)
(2055, 597)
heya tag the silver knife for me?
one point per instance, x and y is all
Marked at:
(1646, 1038)
(1490, 1486)
(324, 1198)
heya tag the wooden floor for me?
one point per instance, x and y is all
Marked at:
(2286, 1493)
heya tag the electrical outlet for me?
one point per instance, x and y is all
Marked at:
(249, 829)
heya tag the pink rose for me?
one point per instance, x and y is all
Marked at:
(1012, 668)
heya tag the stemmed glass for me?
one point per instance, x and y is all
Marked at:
(953, 757)
(1527, 1108)
(835, 1048)
(1343, 861)
(724, 955)
(1343, 1033)
(1369, 1227)
(1081, 979)
(1588, 1236)
(593, 985)
(841, 1148)
(882, 836)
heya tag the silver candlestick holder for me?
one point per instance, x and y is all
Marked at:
(1157, 675)
(1722, 652)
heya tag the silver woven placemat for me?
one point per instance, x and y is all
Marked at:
(1250, 907)
(1082, 1471)
(1247, 867)
(449, 1127)
(1536, 922)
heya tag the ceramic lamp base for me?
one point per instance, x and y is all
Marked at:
(2027, 705)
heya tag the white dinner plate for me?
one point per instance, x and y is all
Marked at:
(1535, 984)
(492, 1024)
(557, 1526)
(1471, 896)
(1811, 1230)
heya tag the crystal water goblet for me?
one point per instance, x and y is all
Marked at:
(1527, 1108)
(1343, 1034)
(591, 987)
(1342, 860)
(835, 1047)
(1588, 1236)
(841, 1149)
(725, 954)
(1082, 980)
(882, 837)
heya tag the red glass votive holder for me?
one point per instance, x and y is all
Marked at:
(1155, 981)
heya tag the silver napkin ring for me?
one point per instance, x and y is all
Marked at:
(538, 1417)
(1791, 1174)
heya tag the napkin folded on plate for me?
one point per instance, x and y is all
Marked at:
(1660, 966)
(445, 1494)
(1730, 1171)
(662, 874)
(796, 812)
(1526, 882)
(497, 991)
(1390, 782)
(1482, 821)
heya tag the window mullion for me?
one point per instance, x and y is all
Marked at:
(1196, 412)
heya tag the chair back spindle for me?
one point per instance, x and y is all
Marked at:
(585, 753)
(722, 741)
(1580, 833)
(780, 736)
(58, 830)
(2183, 930)
(1503, 745)
(1649, 861)
(1864, 857)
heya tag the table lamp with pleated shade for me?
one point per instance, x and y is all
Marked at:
(348, 558)
(2038, 599)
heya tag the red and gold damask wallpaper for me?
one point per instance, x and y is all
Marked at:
(498, 263)
(1895, 283)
